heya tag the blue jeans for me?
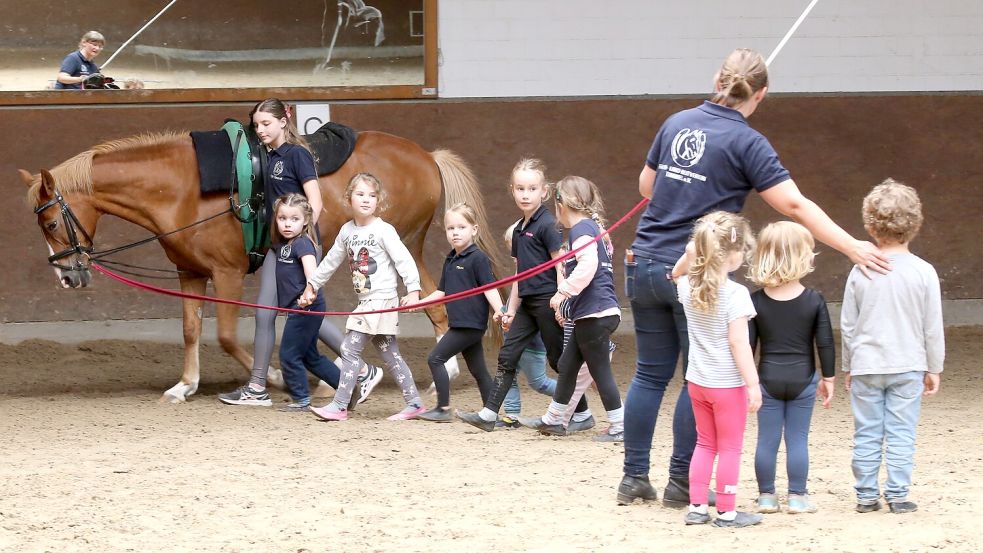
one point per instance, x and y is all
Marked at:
(885, 413)
(791, 418)
(298, 350)
(533, 365)
(660, 339)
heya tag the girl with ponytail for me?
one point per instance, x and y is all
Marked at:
(722, 378)
(586, 297)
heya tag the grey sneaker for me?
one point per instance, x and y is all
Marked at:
(536, 423)
(585, 424)
(693, 517)
(608, 436)
(474, 420)
(740, 521)
(800, 504)
(868, 507)
(901, 507)
(294, 407)
(246, 396)
(437, 415)
(768, 503)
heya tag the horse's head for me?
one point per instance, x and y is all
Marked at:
(65, 228)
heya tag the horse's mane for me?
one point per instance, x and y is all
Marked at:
(74, 175)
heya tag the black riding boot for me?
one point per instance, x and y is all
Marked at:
(677, 493)
(635, 487)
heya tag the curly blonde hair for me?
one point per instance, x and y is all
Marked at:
(892, 212)
(784, 253)
(715, 236)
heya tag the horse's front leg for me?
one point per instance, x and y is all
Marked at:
(188, 384)
(228, 285)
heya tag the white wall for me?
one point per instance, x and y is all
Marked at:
(599, 47)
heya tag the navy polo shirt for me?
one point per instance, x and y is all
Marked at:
(531, 246)
(76, 65)
(465, 271)
(290, 166)
(290, 279)
(706, 159)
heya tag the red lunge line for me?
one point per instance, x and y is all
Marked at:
(451, 297)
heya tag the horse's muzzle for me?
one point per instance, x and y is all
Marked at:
(76, 278)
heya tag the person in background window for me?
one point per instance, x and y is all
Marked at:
(77, 66)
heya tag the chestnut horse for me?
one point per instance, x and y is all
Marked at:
(152, 181)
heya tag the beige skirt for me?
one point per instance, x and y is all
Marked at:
(378, 323)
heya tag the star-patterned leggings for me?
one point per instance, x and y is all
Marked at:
(351, 362)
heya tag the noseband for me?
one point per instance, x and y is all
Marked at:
(72, 229)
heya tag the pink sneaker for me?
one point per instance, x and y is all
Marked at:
(408, 413)
(324, 414)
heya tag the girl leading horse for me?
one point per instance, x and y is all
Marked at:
(152, 181)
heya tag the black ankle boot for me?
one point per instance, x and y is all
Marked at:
(676, 493)
(635, 487)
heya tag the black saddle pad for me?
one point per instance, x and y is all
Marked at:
(332, 145)
(214, 160)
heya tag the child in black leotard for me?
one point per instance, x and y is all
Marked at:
(791, 320)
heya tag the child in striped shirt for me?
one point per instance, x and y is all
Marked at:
(723, 381)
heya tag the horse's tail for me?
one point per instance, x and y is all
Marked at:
(461, 186)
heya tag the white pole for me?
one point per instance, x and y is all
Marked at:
(790, 32)
(125, 44)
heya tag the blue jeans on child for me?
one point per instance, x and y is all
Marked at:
(885, 413)
(792, 418)
(533, 365)
(298, 350)
(660, 339)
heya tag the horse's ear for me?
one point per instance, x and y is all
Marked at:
(26, 177)
(47, 182)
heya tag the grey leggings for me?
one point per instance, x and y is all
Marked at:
(265, 335)
(351, 362)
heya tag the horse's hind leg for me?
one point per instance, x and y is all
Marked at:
(437, 313)
(188, 384)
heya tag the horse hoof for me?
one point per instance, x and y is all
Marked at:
(323, 390)
(274, 377)
(171, 399)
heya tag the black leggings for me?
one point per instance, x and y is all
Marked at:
(534, 316)
(467, 342)
(590, 343)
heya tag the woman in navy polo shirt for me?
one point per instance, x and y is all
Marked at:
(77, 66)
(291, 170)
(703, 159)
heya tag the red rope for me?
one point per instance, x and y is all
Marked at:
(448, 298)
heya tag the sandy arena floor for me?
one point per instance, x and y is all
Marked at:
(93, 463)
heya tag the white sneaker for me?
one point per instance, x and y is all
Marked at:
(372, 378)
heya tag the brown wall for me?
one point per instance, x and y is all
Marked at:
(835, 147)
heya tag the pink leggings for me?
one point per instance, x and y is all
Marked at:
(721, 414)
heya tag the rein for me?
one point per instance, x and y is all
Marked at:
(73, 227)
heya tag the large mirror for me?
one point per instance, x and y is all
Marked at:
(194, 50)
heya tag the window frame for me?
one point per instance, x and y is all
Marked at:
(428, 90)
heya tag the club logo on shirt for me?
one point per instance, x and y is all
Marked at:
(285, 253)
(688, 147)
(278, 169)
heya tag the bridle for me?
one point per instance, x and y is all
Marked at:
(73, 227)
(78, 270)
